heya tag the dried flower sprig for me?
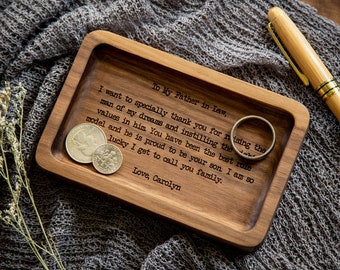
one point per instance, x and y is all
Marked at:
(13, 172)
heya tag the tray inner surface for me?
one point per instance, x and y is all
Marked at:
(174, 133)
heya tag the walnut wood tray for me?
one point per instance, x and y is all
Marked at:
(172, 120)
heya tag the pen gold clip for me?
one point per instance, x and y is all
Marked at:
(313, 71)
(302, 76)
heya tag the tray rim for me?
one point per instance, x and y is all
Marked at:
(247, 239)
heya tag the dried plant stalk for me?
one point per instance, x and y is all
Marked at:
(15, 175)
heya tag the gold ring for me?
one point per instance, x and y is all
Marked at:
(233, 133)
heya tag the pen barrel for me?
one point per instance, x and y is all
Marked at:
(333, 105)
(299, 49)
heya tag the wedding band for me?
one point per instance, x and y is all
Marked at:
(233, 133)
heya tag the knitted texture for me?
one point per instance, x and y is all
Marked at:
(38, 42)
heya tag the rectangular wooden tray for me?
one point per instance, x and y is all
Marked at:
(172, 119)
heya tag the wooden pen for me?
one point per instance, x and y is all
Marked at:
(313, 71)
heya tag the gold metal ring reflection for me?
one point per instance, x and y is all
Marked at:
(233, 134)
(328, 89)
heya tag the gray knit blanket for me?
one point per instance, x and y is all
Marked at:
(38, 43)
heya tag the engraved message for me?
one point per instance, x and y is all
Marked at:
(169, 136)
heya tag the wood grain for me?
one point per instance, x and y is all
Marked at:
(305, 58)
(299, 48)
(327, 8)
(171, 119)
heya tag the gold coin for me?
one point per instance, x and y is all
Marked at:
(82, 140)
(107, 158)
